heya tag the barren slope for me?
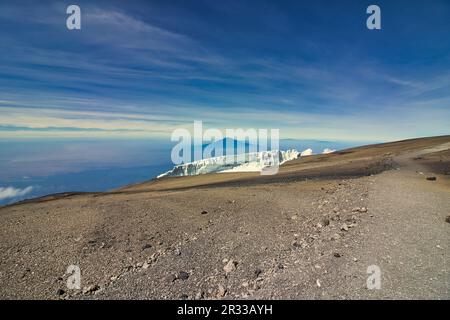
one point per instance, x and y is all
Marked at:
(309, 232)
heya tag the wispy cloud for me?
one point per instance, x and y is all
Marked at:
(11, 192)
(142, 73)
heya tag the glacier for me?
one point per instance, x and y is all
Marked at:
(247, 162)
(327, 151)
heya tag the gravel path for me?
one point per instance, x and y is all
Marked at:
(409, 238)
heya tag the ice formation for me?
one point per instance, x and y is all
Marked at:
(248, 162)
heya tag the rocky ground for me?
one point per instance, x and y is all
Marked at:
(310, 232)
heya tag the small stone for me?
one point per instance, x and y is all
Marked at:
(221, 291)
(363, 209)
(171, 278)
(146, 246)
(335, 237)
(204, 212)
(447, 219)
(145, 265)
(183, 275)
(431, 178)
(60, 292)
(199, 295)
(91, 289)
(294, 217)
(318, 283)
(325, 222)
(296, 244)
(344, 227)
(258, 271)
(230, 266)
(280, 266)
(184, 297)
(337, 255)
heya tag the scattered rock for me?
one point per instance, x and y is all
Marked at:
(171, 278)
(431, 178)
(258, 271)
(335, 237)
(200, 294)
(183, 275)
(318, 283)
(447, 219)
(91, 289)
(344, 227)
(146, 246)
(60, 292)
(363, 209)
(221, 291)
(280, 266)
(337, 254)
(294, 217)
(204, 212)
(184, 297)
(145, 265)
(230, 266)
(325, 222)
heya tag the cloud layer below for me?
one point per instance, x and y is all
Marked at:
(10, 192)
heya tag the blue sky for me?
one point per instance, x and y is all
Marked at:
(140, 69)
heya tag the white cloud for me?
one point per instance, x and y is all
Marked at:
(327, 150)
(10, 192)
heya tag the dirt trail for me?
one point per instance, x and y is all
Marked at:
(408, 237)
